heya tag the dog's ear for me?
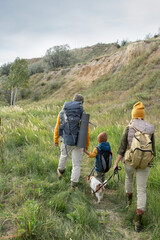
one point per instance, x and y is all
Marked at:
(97, 187)
(88, 178)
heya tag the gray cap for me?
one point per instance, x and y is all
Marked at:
(78, 98)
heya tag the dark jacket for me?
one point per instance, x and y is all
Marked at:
(129, 132)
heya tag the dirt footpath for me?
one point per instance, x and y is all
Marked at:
(113, 214)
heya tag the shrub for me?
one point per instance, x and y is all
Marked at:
(49, 77)
(37, 67)
(36, 96)
(57, 56)
(43, 83)
(54, 86)
(123, 43)
(24, 93)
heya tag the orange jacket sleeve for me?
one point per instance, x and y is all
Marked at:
(93, 154)
(56, 136)
(88, 138)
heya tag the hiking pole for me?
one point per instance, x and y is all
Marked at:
(105, 182)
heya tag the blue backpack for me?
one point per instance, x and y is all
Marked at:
(70, 118)
(105, 160)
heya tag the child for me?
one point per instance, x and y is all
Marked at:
(104, 145)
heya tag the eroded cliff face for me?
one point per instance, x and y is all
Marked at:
(86, 73)
(80, 77)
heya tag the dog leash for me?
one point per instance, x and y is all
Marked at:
(105, 182)
(91, 172)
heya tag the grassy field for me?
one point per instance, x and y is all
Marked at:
(34, 204)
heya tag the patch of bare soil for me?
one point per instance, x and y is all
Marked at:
(8, 230)
(110, 216)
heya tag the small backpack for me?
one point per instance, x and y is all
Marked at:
(105, 160)
(70, 118)
(140, 154)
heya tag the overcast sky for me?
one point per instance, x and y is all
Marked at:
(29, 27)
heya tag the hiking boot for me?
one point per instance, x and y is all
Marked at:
(60, 173)
(74, 186)
(129, 199)
(138, 223)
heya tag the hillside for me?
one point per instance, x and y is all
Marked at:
(133, 69)
(34, 204)
(111, 78)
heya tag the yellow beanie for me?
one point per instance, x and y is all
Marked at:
(138, 110)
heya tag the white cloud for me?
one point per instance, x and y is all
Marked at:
(142, 10)
(28, 29)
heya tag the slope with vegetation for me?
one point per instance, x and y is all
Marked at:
(33, 203)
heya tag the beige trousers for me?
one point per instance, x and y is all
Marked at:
(77, 154)
(141, 181)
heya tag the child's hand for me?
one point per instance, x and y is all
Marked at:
(85, 151)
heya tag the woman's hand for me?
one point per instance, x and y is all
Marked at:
(115, 166)
(85, 150)
(119, 157)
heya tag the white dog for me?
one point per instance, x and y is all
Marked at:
(96, 186)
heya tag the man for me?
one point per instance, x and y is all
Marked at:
(77, 153)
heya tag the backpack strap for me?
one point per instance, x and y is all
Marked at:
(99, 148)
(131, 125)
(98, 151)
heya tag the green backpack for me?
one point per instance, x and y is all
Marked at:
(140, 154)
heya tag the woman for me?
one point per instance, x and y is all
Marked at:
(137, 124)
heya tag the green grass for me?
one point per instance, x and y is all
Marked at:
(33, 203)
(36, 203)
